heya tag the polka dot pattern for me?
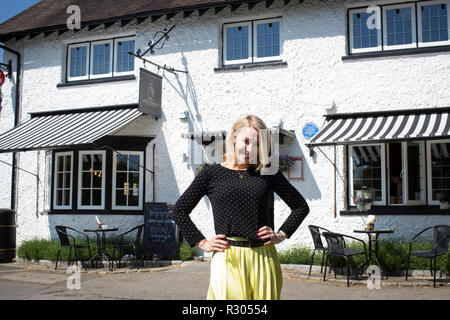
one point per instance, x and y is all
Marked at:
(240, 206)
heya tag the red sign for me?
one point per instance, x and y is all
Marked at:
(2, 78)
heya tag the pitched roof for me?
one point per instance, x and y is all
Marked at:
(51, 15)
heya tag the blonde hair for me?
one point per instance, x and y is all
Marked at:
(249, 120)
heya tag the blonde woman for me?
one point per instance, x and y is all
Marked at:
(245, 264)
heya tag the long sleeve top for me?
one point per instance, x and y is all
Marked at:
(241, 206)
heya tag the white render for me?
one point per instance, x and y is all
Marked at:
(314, 40)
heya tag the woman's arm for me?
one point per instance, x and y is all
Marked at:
(290, 195)
(186, 203)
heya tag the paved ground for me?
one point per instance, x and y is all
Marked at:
(188, 280)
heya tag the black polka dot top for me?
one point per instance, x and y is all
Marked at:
(240, 206)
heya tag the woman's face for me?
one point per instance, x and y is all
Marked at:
(246, 144)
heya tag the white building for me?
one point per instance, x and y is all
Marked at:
(382, 75)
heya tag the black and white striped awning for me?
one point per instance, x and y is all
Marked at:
(368, 127)
(62, 128)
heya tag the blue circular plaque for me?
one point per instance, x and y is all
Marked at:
(310, 130)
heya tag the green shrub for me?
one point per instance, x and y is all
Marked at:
(186, 252)
(40, 249)
(393, 252)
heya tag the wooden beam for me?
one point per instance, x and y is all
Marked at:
(61, 31)
(300, 1)
(252, 4)
(202, 11)
(33, 35)
(170, 15)
(286, 2)
(187, 13)
(124, 22)
(93, 26)
(234, 7)
(155, 18)
(47, 33)
(269, 3)
(109, 24)
(218, 9)
(140, 20)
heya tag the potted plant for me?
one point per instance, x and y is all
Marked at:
(285, 163)
(444, 201)
(363, 199)
(202, 166)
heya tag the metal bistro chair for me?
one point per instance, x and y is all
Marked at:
(318, 245)
(123, 244)
(441, 237)
(65, 242)
(337, 247)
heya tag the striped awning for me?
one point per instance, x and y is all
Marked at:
(368, 127)
(63, 128)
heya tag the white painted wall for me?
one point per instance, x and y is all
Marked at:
(313, 43)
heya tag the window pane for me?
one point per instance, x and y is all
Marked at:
(96, 197)
(78, 61)
(86, 197)
(125, 61)
(133, 178)
(67, 163)
(86, 158)
(399, 26)
(268, 36)
(101, 58)
(237, 43)
(434, 23)
(133, 162)
(363, 37)
(396, 173)
(121, 162)
(86, 180)
(133, 197)
(97, 179)
(121, 180)
(416, 189)
(121, 198)
(440, 170)
(66, 197)
(59, 200)
(367, 170)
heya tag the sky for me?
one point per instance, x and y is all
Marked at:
(9, 8)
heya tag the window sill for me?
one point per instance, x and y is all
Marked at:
(278, 63)
(398, 211)
(400, 52)
(96, 81)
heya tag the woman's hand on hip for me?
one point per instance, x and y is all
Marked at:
(267, 233)
(214, 244)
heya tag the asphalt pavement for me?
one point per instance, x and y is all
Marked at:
(189, 281)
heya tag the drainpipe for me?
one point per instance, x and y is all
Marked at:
(15, 155)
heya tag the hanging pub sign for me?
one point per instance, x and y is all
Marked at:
(160, 231)
(150, 91)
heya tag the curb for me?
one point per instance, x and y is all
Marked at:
(417, 278)
(149, 266)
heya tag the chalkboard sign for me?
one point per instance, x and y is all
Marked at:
(160, 232)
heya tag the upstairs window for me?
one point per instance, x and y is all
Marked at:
(100, 59)
(434, 23)
(399, 26)
(251, 41)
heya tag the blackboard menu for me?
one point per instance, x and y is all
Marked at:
(160, 232)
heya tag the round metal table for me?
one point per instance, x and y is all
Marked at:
(376, 232)
(101, 246)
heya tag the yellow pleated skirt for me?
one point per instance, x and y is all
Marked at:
(241, 273)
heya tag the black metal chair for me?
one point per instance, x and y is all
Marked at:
(64, 240)
(124, 243)
(337, 247)
(318, 245)
(441, 237)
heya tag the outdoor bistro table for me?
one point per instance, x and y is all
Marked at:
(101, 246)
(375, 241)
